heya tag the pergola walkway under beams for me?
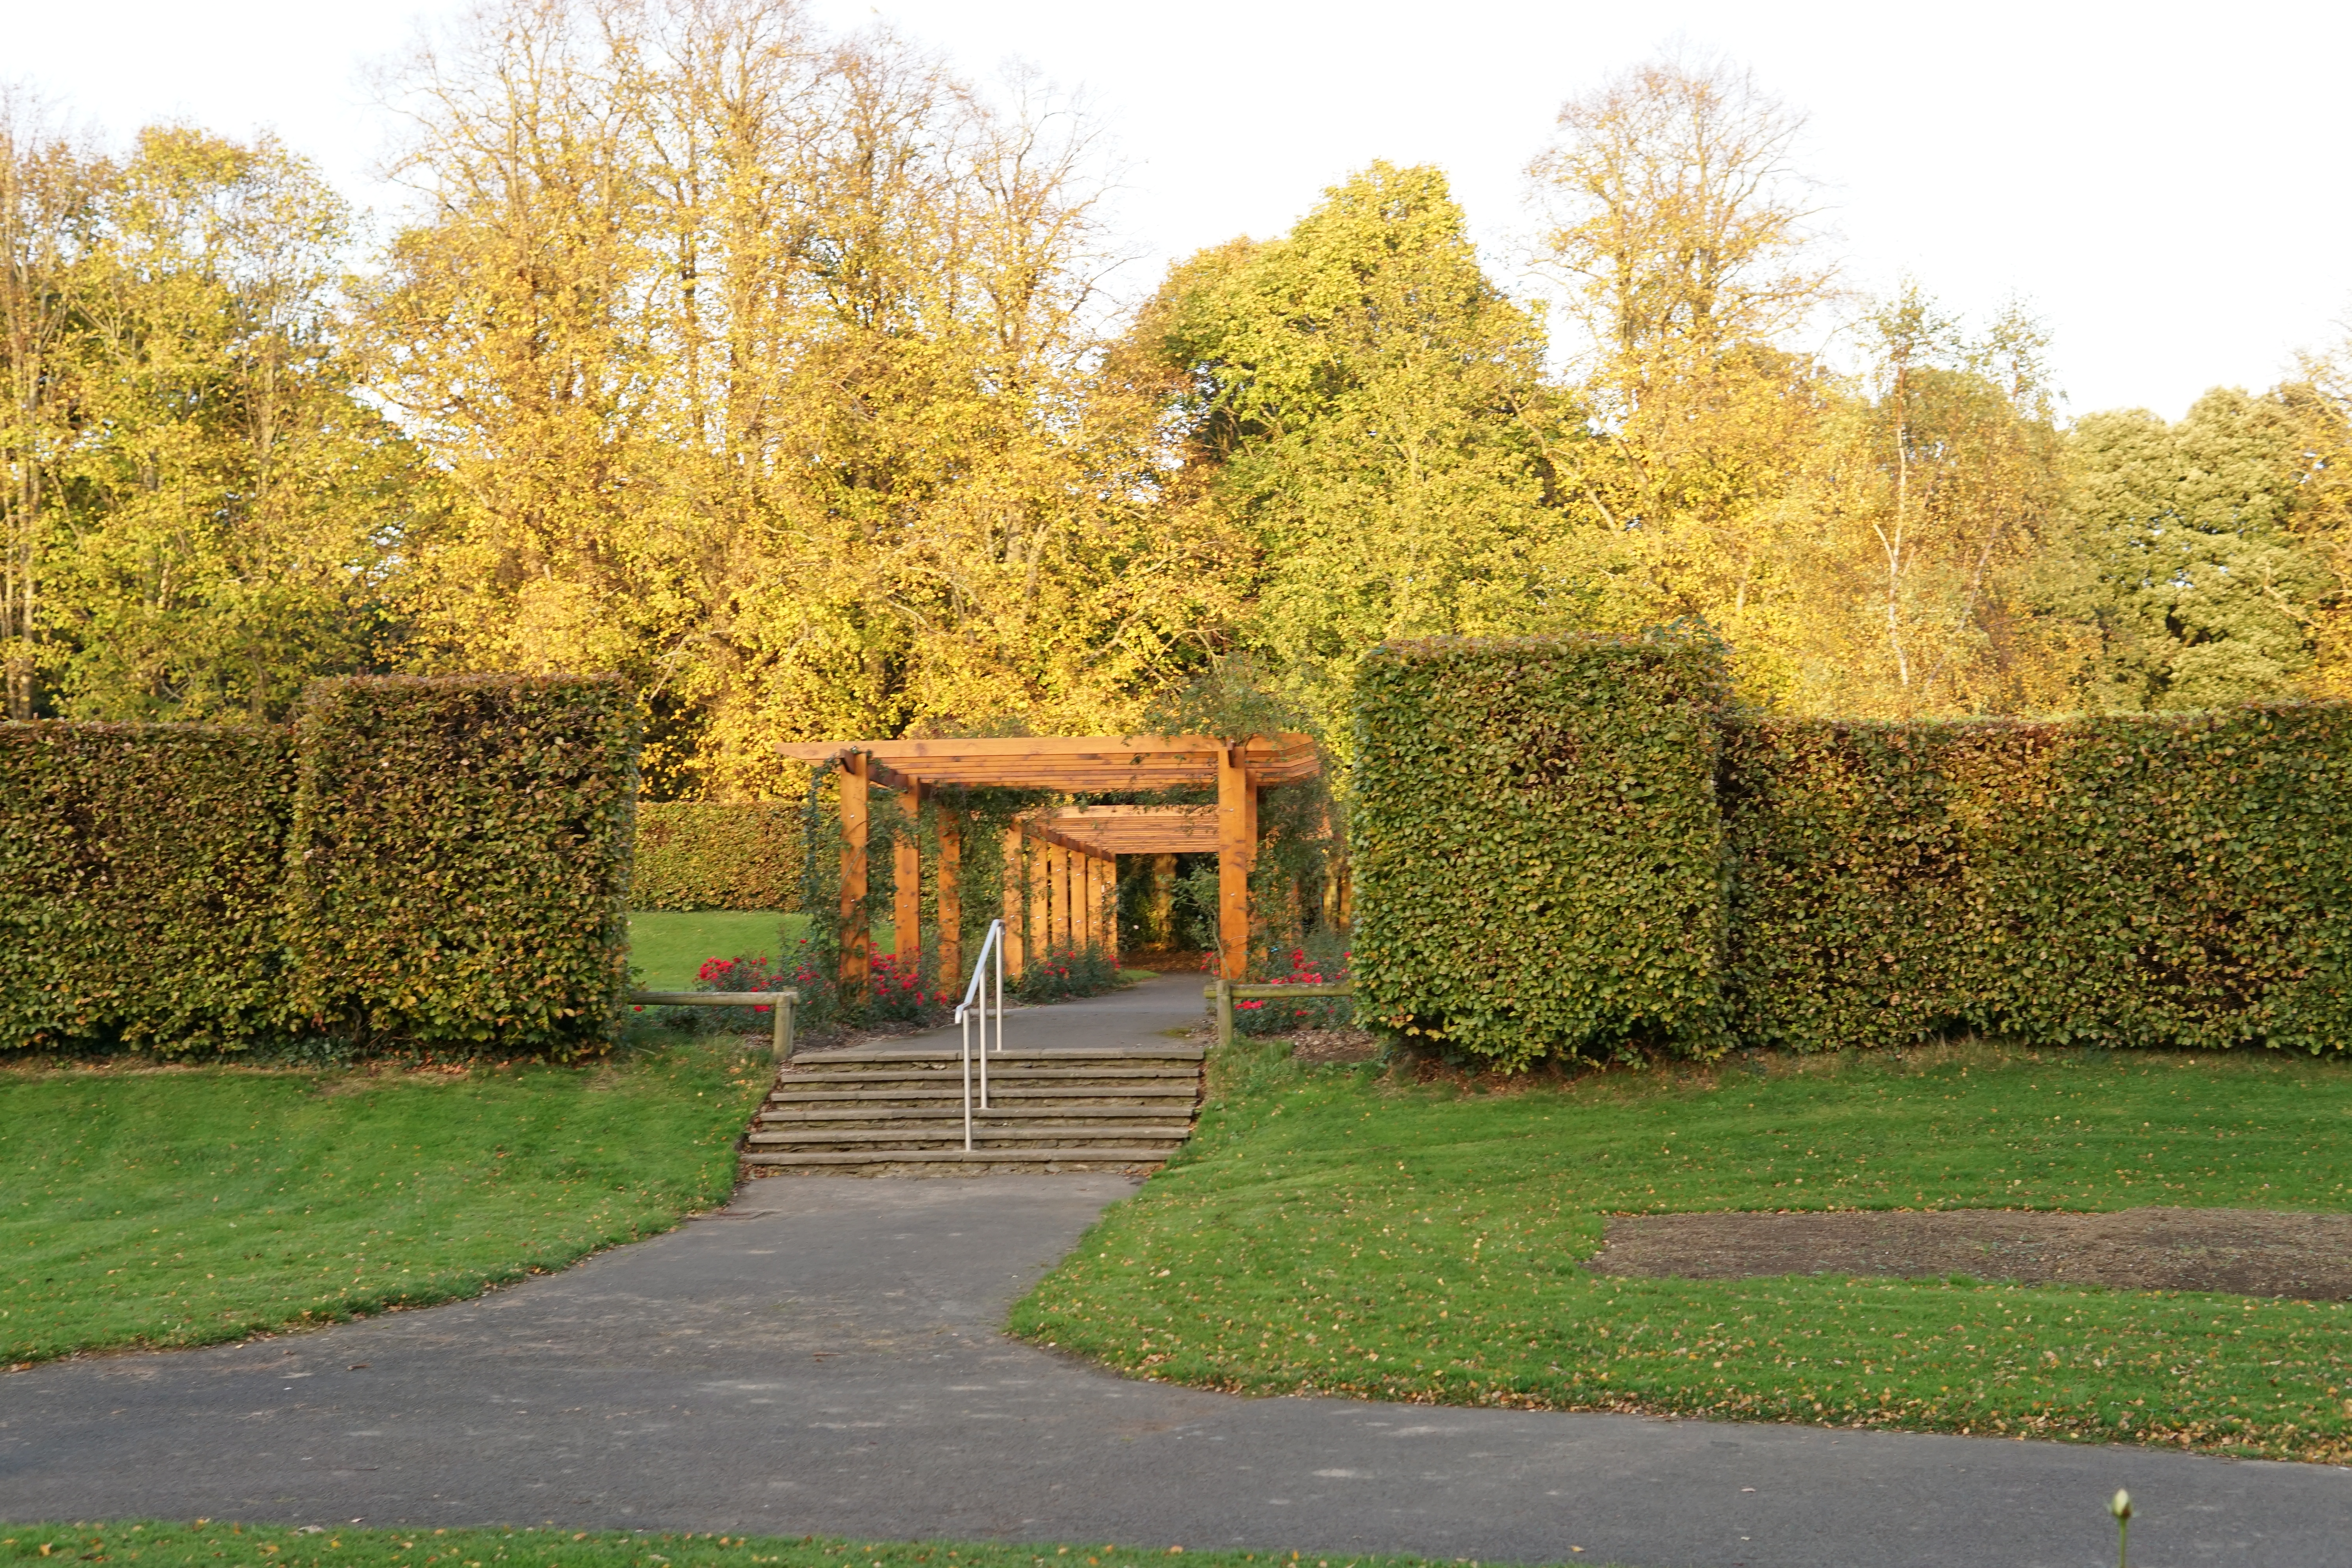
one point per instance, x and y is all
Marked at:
(1068, 856)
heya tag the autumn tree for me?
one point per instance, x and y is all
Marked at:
(763, 364)
(1367, 411)
(1681, 230)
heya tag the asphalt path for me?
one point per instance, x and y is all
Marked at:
(824, 1357)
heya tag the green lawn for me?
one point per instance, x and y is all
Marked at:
(210, 1544)
(180, 1206)
(1330, 1231)
(667, 946)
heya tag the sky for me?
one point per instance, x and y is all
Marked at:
(2155, 182)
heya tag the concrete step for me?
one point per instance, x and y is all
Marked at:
(931, 1072)
(1083, 1153)
(1171, 1052)
(1185, 1091)
(954, 1110)
(1175, 1134)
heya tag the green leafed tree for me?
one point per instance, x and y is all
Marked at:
(2185, 553)
(1367, 411)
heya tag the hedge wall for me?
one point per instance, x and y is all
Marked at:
(2127, 881)
(1536, 846)
(461, 858)
(708, 854)
(421, 862)
(140, 872)
(1568, 846)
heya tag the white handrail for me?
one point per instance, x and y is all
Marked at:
(977, 991)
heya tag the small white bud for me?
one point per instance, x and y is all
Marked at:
(2121, 1505)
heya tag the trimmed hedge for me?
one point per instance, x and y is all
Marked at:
(461, 869)
(713, 855)
(1537, 850)
(140, 874)
(421, 862)
(1569, 847)
(2126, 882)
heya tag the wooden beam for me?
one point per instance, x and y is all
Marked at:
(1016, 902)
(947, 901)
(1235, 849)
(854, 921)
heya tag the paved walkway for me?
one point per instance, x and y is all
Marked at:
(822, 1357)
(1153, 1012)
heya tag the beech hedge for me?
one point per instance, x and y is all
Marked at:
(2175, 881)
(141, 869)
(460, 858)
(419, 863)
(1573, 847)
(1536, 846)
(716, 855)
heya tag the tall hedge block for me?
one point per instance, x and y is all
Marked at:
(460, 857)
(140, 874)
(717, 855)
(1537, 849)
(2129, 882)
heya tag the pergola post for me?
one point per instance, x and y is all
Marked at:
(1106, 904)
(1058, 882)
(1236, 844)
(1040, 877)
(906, 893)
(854, 934)
(1163, 899)
(949, 899)
(1016, 948)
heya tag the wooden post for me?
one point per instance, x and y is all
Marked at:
(854, 934)
(1016, 900)
(1163, 900)
(1058, 883)
(1082, 901)
(1235, 845)
(1040, 874)
(949, 901)
(906, 893)
(1106, 904)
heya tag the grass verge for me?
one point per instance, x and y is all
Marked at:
(211, 1542)
(1332, 1231)
(188, 1205)
(667, 946)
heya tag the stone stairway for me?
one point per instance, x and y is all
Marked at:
(882, 1110)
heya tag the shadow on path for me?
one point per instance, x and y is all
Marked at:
(823, 1358)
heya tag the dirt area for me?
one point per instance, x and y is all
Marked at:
(2243, 1251)
(1333, 1045)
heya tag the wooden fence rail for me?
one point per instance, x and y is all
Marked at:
(1224, 993)
(784, 1002)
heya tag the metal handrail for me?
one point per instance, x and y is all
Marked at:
(977, 994)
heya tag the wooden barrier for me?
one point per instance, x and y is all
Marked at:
(784, 1002)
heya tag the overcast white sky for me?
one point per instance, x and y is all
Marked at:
(2158, 181)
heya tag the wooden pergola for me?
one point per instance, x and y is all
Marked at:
(1062, 864)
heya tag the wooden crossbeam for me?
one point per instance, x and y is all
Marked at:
(1067, 761)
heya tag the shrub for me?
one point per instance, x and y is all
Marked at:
(1065, 970)
(1322, 961)
(1538, 848)
(139, 870)
(2126, 880)
(462, 858)
(716, 855)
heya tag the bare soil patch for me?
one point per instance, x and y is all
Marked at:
(2246, 1252)
(1333, 1045)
